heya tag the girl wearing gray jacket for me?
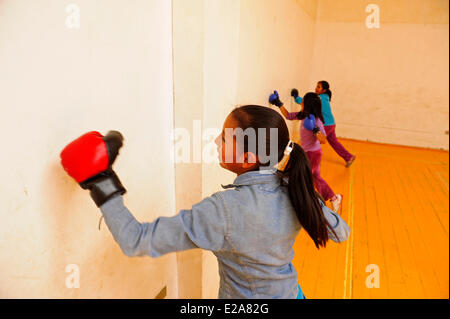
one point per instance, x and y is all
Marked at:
(250, 226)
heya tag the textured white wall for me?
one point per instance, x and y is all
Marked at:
(188, 44)
(245, 50)
(114, 72)
(389, 84)
(250, 49)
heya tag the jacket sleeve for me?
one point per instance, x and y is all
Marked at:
(292, 116)
(203, 226)
(338, 224)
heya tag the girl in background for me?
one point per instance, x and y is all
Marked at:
(323, 90)
(311, 131)
(250, 227)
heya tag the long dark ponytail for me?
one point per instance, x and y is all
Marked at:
(302, 194)
(304, 198)
(326, 87)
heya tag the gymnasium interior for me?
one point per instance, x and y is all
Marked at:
(167, 73)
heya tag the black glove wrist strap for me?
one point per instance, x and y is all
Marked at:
(104, 186)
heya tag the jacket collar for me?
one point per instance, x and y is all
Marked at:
(255, 177)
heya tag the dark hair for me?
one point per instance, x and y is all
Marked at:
(302, 194)
(312, 105)
(326, 86)
(257, 118)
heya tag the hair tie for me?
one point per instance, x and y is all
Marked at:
(287, 154)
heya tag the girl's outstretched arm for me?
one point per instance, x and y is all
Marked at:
(284, 112)
(274, 99)
(288, 115)
(203, 226)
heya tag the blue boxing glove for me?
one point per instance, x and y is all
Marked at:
(309, 122)
(294, 94)
(274, 99)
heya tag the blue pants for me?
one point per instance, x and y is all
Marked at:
(300, 293)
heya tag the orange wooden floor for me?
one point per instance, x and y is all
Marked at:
(396, 204)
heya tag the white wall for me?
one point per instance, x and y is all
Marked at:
(114, 72)
(389, 84)
(275, 52)
(220, 69)
(188, 44)
(250, 50)
(246, 49)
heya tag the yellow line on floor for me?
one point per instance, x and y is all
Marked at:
(348, 277)
(442, 180)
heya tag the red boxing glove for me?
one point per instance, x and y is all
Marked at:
(85, 157)
(88, 160)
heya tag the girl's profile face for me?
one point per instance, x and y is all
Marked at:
(230, 152)
(319, 88)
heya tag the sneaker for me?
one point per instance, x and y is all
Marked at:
(336, 202)
(350, 162)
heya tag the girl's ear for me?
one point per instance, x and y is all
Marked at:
(250, 159)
